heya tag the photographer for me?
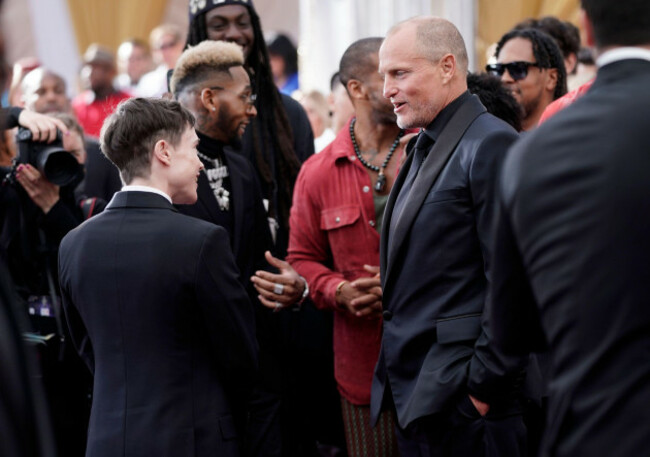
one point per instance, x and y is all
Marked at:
(36, 213)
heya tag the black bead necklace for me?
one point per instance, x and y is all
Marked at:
(380, 185)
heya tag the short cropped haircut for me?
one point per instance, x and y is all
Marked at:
(546, 51)
(129, 135)
(436, 37)
(203, 60)
(356, 62)
(619, 23)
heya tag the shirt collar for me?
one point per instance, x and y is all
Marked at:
(622, 53)
(146, 189)
(436, 126)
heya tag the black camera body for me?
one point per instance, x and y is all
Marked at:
(55, 163)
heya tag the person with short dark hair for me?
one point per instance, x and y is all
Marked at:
(571, 261)
(530, 64)
(338, 206)
(153, 300)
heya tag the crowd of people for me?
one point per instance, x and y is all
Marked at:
(430, 262)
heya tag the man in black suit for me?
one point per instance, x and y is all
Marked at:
(153, 301)
(571, 262)
(210, 81)
(446, 388)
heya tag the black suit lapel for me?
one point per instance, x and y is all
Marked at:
(429, 171)
(390, 205)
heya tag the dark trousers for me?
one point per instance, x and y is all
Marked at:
(462, 432)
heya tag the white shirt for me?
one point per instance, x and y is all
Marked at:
(622, 53)
(146, 189)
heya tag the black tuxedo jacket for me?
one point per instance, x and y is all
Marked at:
(156, 310)
(572, 263)
(434, 270)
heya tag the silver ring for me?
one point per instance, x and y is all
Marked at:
(278, 288)
(278, 306)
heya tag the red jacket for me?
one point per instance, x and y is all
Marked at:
(332, 236)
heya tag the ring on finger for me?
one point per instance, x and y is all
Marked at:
(278, 307)
(278, 288)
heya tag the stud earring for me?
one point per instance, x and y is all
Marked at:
(214, 109)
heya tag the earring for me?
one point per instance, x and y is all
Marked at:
(214, 109)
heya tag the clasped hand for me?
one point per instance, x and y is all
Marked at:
(362, 297)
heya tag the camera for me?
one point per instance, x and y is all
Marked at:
(51, 159)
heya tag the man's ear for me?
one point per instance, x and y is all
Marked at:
(209, 99)
(356, 90)
(161, 152)
(552, 80)
(447, 66)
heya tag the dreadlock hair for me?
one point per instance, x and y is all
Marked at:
(271, 128)
(546, 51)
(565, 33)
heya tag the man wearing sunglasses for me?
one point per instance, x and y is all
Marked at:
(531, 65)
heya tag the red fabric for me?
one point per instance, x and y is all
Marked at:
(91, 113)
(331, 238)
(564, 101)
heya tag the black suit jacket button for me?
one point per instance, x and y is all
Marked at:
(388, 315)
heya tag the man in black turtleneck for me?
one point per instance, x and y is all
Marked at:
(211, 82)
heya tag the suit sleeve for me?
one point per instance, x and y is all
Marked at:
(492, 373)
(511, 319)
(226, 309)
(309, 251)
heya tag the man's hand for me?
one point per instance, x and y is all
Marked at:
(362, 297)
(43, 127)
(42, 192)
(481, 407)
(288, 282)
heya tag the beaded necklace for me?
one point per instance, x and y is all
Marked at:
(380, 185)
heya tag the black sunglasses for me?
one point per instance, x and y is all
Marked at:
(517, 70)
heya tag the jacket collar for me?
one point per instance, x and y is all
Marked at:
(138, 199)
